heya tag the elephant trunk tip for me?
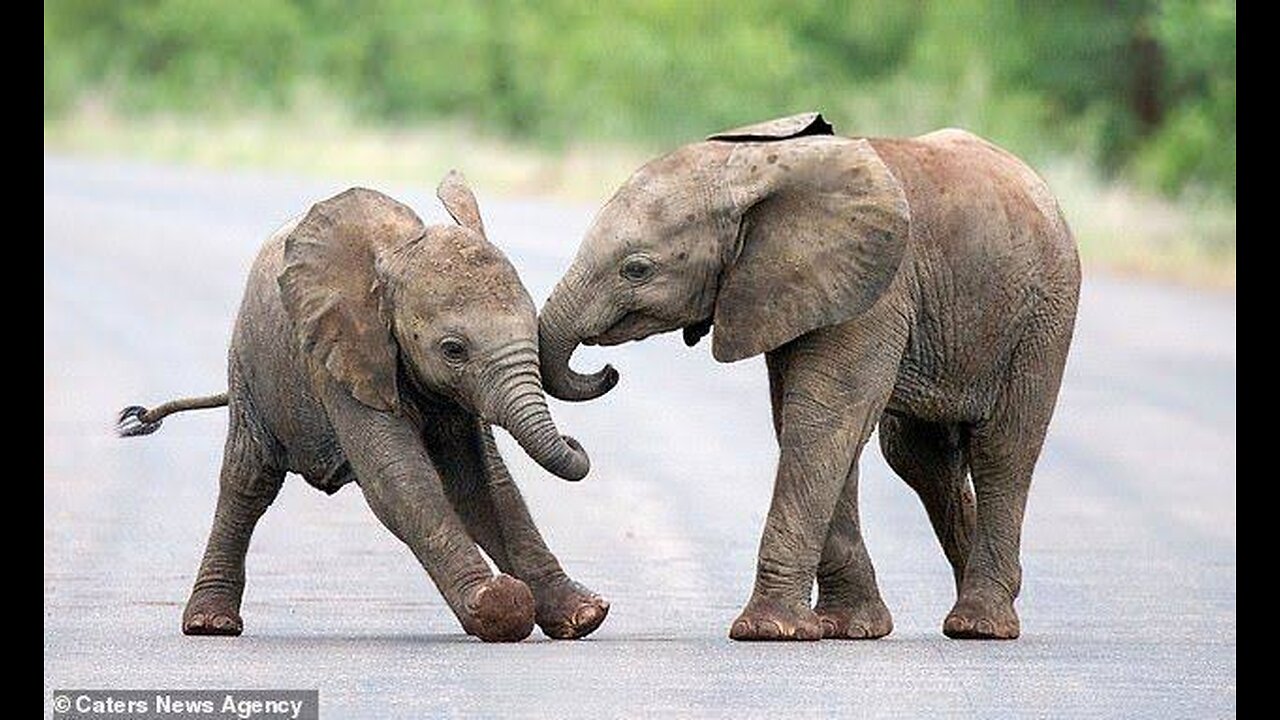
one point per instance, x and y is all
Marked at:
(604, 380)
(558, 339)
(576, 387)
(580, 465)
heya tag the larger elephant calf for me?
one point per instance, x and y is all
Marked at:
(925, 284)
(372, 349)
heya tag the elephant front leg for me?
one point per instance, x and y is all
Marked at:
(849, 604)
(805, 491)
(827, 389)
(490, 505)
(407, 497)
(406, 494)
(566, 609)
(495, 609)
(821, 426)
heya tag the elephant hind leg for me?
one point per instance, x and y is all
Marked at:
(248, 485)
(932, 459)
(1003, 450)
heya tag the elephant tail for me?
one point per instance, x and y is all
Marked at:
(137, 420)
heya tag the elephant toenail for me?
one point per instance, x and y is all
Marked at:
(828, 626)
(585, 615)
(986, 627)
(196, 620)
(808, 633)
(222, 622)
(770, 629)
(857, 632)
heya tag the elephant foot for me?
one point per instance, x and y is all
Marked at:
(500, 610)
(211, 613)
(979, 617)
(865, 621)
(567, 610)
(772, 620)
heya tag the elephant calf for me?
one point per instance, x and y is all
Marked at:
(926, 284)
(372, 348)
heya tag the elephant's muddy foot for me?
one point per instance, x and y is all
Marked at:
(500, 610)
(771, 620)
(211, 614)
(977, 616)
(865, 621)
(567, 610)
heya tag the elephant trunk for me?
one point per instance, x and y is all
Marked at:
(515, 402)
(558, 337)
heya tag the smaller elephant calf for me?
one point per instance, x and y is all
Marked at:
(372, 348)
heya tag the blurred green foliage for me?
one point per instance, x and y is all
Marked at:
(1145, 87)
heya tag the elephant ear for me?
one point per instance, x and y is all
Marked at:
(792, 126)
(824, 227)
(460, 201)
(332, 294)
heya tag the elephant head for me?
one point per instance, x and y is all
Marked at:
(764, 233)
(385, 306)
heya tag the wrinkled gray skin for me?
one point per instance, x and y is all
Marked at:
(374, 349)
(927, 284)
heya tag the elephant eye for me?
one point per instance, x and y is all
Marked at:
(454, 350)
(637, 268)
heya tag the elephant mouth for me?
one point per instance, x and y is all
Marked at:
(695, 332)
(633, 326)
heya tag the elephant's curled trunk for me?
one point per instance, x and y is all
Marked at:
(558, 338)
(516, 402)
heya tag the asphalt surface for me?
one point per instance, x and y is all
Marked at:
(1128, 603)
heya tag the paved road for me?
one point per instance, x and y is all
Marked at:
(1128, 606)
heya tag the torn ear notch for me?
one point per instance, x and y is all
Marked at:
(785, 128)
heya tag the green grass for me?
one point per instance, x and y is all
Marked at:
(322, 141)
(1123, 229)
(1119, 228)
